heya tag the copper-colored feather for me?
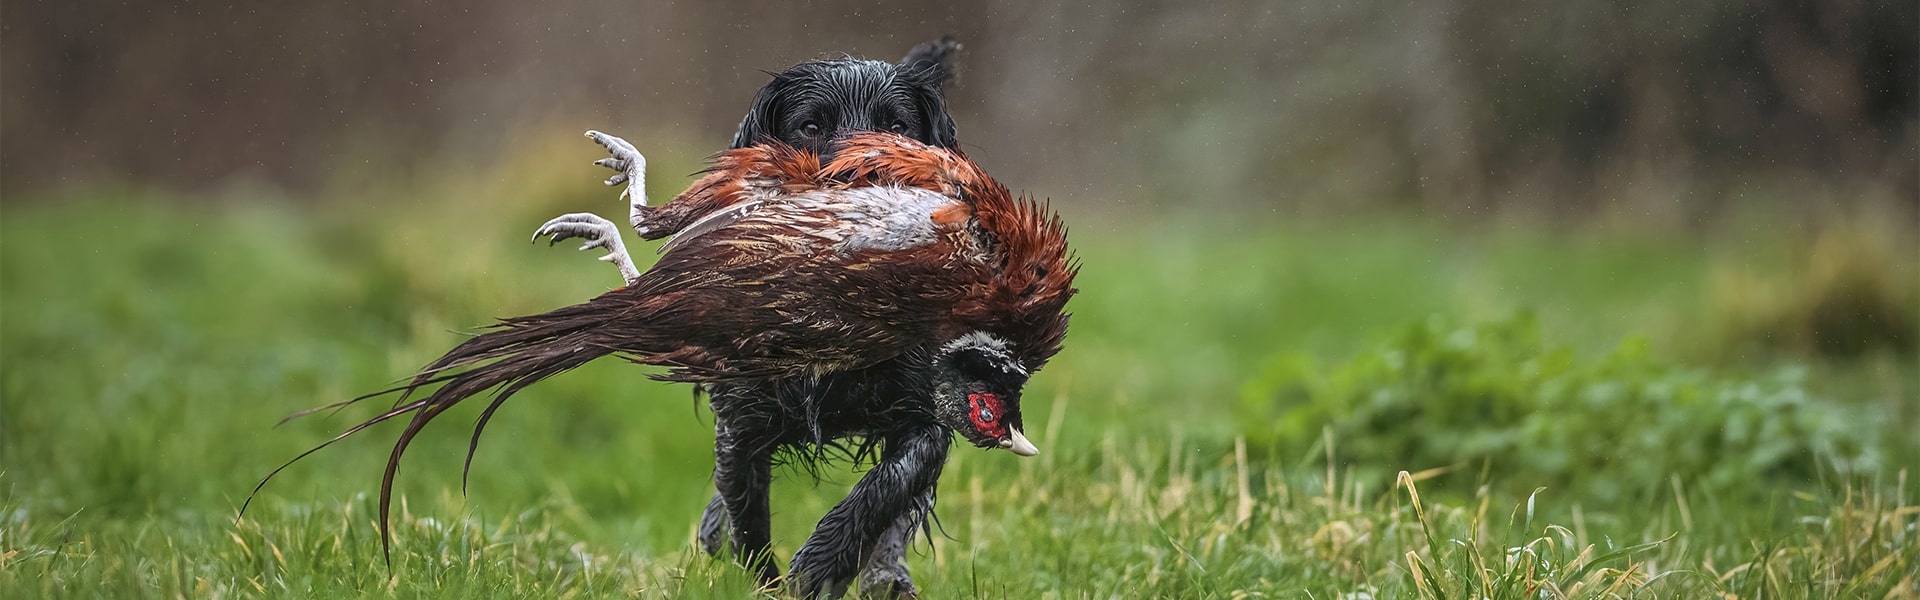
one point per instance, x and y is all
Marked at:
(734, 176)
(818, 269)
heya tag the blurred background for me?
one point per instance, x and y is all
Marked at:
(1631, 252)
(1675, 111)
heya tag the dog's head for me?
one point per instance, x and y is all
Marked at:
(810, 103)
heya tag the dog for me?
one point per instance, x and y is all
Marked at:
(808, 104)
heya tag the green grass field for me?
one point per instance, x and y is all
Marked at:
(1353, 408)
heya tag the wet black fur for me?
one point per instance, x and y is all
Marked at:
(891, 405)
(881, 414)
(833, 96)
(810, 103)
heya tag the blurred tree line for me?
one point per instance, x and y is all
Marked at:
(1673, 109)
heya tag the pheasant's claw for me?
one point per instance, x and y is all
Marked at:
(599, 233)
(581, 225)
(628, 161)
(618, 147)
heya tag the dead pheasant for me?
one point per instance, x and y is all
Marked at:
(806, 106)
(896, 294)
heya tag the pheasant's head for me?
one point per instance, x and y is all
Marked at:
(977, 383)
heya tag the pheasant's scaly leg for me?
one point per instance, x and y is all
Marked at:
(632, 170)
(599, 233)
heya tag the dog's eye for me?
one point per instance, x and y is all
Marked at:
(810, 129)
(899, 127)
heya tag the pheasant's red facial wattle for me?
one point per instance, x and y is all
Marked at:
(987, 414)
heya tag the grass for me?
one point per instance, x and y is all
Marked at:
(149, 345)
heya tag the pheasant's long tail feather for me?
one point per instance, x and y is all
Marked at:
(518, 353)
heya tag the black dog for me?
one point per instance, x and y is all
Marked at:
(808, 104)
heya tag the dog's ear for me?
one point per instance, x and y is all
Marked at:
(763, 116)
(940, 130)
(928, 68)
(933, 59)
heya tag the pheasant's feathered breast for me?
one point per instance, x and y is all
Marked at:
(892, 244)
(1032, 277)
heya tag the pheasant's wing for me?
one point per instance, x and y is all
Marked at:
(712, 221)
(813, 282)
(735, 176)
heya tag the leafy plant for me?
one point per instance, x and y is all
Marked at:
(1494, 395)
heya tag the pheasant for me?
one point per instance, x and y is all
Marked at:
(805, 106)
(895, 294)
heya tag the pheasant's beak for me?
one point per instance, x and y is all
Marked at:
(1017, 443)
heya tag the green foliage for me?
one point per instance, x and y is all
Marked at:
(1494, 395)
(141, 375)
